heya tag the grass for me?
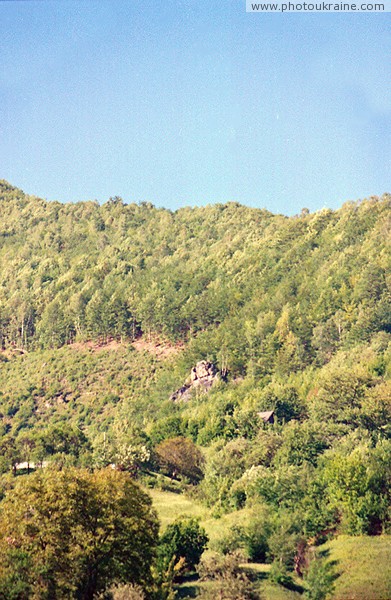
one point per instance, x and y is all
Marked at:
(362, 563)
(272, 591)
(170, 506)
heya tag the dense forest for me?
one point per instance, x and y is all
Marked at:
(104, 311)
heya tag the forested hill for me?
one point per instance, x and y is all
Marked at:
(105, 309)
(251, 290)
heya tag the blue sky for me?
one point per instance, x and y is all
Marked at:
(188, 102)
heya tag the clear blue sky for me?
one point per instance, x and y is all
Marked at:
(187, 102)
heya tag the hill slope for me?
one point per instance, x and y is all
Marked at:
(104, 310)
(295, 289)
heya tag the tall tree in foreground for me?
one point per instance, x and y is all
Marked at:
(71, 534)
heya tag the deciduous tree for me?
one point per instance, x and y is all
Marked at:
(180, 456)
(70, 533)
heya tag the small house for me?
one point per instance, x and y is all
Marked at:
(267, 416)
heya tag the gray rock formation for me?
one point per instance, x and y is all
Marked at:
(202, 377)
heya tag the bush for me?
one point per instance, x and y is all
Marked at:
(124, 592)
(320, 580)
(226, 579)
(184, 539)
(252, 539)
(231, 542)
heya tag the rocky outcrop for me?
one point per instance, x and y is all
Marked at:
(202, 377)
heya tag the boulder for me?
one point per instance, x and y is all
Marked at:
(202, 377)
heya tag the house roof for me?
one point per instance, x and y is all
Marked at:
(266, 415)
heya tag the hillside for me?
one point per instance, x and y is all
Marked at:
(296, 289)
(361, 563)
(105, 310)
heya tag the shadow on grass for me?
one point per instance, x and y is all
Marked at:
(288, 583)
(255, 575)
(333, 564)
(186, 591)
(186, 586)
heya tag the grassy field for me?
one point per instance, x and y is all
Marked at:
(170, 506)
(363, 564)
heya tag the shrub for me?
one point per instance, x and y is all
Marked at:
(319, 580)
(252, 539)
(226, 579)
(184, 539)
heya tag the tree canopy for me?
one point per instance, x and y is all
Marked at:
(71, 533)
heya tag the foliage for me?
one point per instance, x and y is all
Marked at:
(180, 456)
(251, 538)
(230, 581)
(70, 533)
(320, 580)
(86, 271)
(358, 485)
(105, 309)
(362, 562)
(183, 540)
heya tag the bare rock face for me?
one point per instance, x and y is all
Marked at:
(182, 395)
(203, 372)
(202, 377)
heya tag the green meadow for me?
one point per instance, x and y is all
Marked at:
(362, 563)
